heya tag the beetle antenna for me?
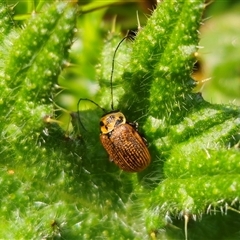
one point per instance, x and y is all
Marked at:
(86, 99)
(113, 62)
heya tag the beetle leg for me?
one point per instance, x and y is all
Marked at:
(134, 125)
(145, 141)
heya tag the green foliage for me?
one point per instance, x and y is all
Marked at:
(54, 186)
(220, 58)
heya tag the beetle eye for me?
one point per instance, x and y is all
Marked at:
(101, 123)
(120, 120)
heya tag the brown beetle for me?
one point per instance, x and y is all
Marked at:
(123, 143)
(126, 148)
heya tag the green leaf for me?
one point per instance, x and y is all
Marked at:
(30, 162)
(195, 140)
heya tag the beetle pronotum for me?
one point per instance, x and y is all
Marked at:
(126, 148)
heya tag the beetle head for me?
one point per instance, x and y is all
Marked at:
(111, 120)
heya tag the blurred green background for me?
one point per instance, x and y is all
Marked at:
(217, 69)
(219, 53)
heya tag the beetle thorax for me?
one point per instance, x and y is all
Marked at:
(111, 120)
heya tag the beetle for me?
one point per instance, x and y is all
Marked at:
(121, 139)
